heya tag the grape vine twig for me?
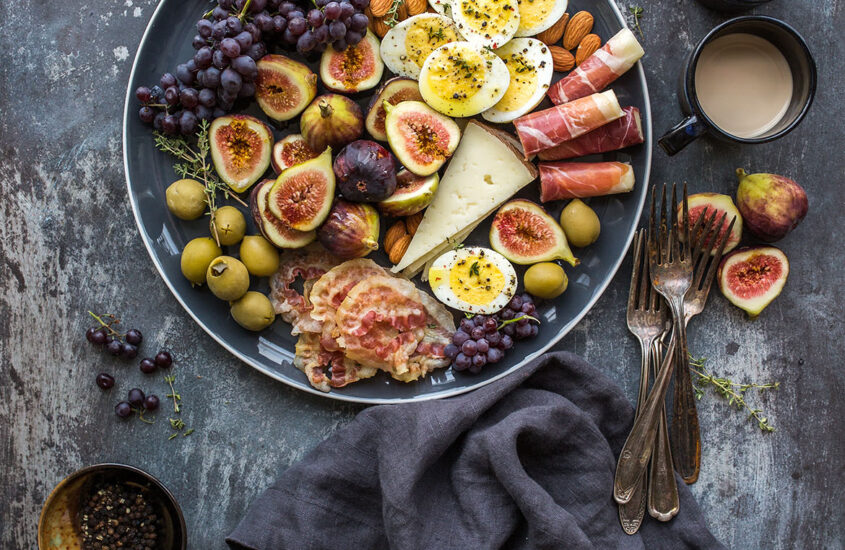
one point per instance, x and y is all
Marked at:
(732, 391)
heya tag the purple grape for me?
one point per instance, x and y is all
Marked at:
(187, 123)
(89, 334)
(163, 359)
(459, 337)
(225, 4)
(167, 80)
(462, 362)
(521, 321)
(207, 96)
(339, 44)
(123, 409)
(156, 94)
(479, 360)
(245, 65)
(476, 333)
(483, 345)
(202, 112)
(507, 342)
(288, 36)
(218, 112)
(204, 27)
(146, 114)
(143, 94)
(321, 3)
(264, 22)
(469, 348)
(322, 35)
(136, 398)
(359, 22)
(360, 5)
(184, 75)
(203, 57)
(332, 11)
(451, 351)
(279, 24)
(316, 18)
(198, 42)
(128, 351)
(191, 66)
(244, 40)
(490, 325)
(233, 25)
(296, 13)
(535, 330)
(151, 402)
(523, 331)
(346, 10)
(189, 98)
(231, 81)
(105, 380)
(134, 336)
(114, 347)
(158, 121)
(297, 26)
(516, 303)
(219, 13)
(479, 320)
(494, 338)
(247, 90)
(147, 365)
(467, 325)
(257, 6)
(286, 7)
(257, 50)
(353, 37)
(509, 330)
(230, 48)
(171, 95)
(170, 125)
(507, 314)
(528, 308)
(218, 30)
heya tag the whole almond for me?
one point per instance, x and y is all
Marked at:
(399, 249)
(380, 7)
(412, 222)
(554, 33)
(587, 47)
(393, 234)
(562, 59)
(578, 27)
(380, 27)
(416, 7)
(402, 11)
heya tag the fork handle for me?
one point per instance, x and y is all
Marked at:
(663, 501)
(686, 434)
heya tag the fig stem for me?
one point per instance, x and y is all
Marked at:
(326, 109)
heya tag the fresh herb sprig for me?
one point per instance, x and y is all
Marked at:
(391, 18)
(637, 12)
(194, 163)
(732, 391)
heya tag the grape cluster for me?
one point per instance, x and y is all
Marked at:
(136, 401)
(484, 339)
(104, 335)
(229, 40)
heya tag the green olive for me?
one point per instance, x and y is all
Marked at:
(227, 278)
(580, 224)
(196, 256)
(186, 199)
(230, 224)
(254, 311)
(545, 280)
(259, 256)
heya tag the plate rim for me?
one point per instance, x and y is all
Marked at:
(647, 145)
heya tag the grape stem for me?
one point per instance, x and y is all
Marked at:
(515, 319)
(242, 15)
(141, 416)
(105, 325)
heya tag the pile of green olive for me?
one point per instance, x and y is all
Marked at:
(227, 277)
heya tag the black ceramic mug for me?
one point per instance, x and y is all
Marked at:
(801, 64)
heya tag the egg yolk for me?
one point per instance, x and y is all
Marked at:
(425, 37)
(487, 16)
(523, 82)
(457, 74)
(476, 281)
(533, 12)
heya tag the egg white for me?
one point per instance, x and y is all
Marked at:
(530, 65)
(460, 79)
(535, 16)
(443, 7)
(489, 264)
(427, 32)
(489, 23)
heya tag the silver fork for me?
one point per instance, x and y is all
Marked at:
(671, 276)
(646, 316)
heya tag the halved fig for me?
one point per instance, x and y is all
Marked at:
(420, 137)
(275, 230)
(708, 203)
(240, 149)
(525, 234)
(283, 87)
(354, 69)
(413, 194)
(332, 120)
(290, 151)
(751, 277)
(393, 91)
(302, 195)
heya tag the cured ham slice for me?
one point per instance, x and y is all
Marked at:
(569, 180)
(550, 127)
(310, 264)
(326, 369)
(596, 72)
(622, 132)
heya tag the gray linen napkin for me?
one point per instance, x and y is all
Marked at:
(524, 462)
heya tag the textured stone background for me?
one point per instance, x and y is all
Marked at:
(68, 243)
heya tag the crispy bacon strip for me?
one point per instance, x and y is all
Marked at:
(310, 263)
(314, 360)
(550, 127)
(596, 72)
(622, 132)
(568, 180)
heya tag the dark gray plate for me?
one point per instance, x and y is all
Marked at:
(166, 43)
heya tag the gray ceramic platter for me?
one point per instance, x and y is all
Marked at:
(167, 42)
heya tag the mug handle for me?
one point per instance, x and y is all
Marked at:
(682, 135)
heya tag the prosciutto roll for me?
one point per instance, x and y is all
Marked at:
(550, 127)
(569, 180)
(596, 72)
(622, 132)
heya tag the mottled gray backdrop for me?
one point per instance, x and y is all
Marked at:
(68, 243)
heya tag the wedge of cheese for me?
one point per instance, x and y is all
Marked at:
(486, 170)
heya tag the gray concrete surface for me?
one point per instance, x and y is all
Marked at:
(68, 243)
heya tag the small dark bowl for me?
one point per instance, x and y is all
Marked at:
(732, 5)
(58, 527)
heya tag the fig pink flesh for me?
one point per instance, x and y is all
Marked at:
(525, 233)
(754, 276)
(430, 140)
(302, 196)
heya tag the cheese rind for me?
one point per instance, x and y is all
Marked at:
(485, 171)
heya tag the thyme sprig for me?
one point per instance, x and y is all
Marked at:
(734, 392)
(391, 18)
(194, 163)
(637, 12)
(173, 394)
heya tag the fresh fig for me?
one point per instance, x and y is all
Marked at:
(771, 205)
(351, 230)
(413, 194)
(290, 151)
(283, 87)
(750, 278)
(706, 204)
(525, 234)
(331, 120)
(393, 91)
(275, 230)
(365, 171)
(302, 195)
(355, 69)
(240, 149)
(420, 137)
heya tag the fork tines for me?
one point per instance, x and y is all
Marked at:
(664, 240)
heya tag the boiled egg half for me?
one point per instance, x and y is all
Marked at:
(460, 79)
(475, 280)
(406, 46)
(535, 16)
(489, 23)
(529, 63)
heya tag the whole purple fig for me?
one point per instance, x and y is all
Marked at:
(351, 230)
(365, 171)
(771, 205)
